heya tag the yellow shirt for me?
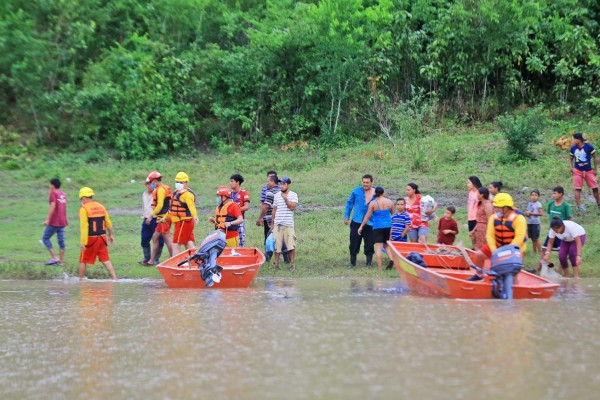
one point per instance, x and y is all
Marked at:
(189, 199)
(161, 194)
(520, 227)
(84, 225)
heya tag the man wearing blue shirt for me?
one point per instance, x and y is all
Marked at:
(359, 202)
(582, 153)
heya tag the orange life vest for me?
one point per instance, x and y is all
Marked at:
(504, 231)
(96, 215)
(222, 215)
(179, 208)
(167, 202)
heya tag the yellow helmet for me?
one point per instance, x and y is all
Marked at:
(182, 177)
(85, 192)
(503, 200)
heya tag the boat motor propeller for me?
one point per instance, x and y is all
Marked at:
(206, 257)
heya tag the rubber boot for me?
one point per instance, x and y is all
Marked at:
(369, 261)
(147, 254)
(352, 262)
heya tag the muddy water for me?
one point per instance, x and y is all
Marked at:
(300, 339)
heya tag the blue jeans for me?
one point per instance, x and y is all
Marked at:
(60, 235)
(146, 233)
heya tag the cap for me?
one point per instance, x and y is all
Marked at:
(153, 175)
(223, 191)
(286, 179)
(182, 177)
(86, 192)
(579, 136)
(503, 200)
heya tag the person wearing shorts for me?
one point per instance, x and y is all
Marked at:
(183, 213)
(533, 214)
(161, 201)
(380, 211)
(282, 223)
(580, 161)
(94, 223)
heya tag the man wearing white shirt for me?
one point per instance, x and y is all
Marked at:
(284, 204)
(572, 236)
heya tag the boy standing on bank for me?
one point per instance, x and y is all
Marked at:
(580, 163)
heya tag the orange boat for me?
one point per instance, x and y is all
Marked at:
(240, 266)
(446, 275)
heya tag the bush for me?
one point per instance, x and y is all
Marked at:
(522, 132)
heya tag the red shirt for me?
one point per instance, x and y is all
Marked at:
(442, 226)
(59, 216)
(242, 197)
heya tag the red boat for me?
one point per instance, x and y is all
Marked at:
(447, 272)
(240, 266)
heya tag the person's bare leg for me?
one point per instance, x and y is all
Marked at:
(81, 270)
(168, 242)
(62, 256)
(378, 247)
(190, 245)
(176, 249)
(110, 269)
(52, 253)
(596, 196)
(155, 242)
(276, 260)
(566, 272)
(576, 272)
(578, 197)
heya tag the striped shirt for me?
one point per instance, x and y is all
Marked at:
(270, 200)
(399, 223)
(284, 216)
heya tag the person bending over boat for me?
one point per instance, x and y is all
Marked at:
(381, 209)
(572, 239)
(505, 227)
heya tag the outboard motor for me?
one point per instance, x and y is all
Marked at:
(206, 257)
(506, 263)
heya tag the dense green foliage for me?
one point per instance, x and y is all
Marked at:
(154, 76)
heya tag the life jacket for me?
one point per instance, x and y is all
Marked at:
(504, 231)
(222, 216)
(166, 203)
(179, 208)
(96, 215)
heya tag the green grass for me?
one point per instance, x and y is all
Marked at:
(439, 163)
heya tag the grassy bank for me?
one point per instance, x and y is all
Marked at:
(439, 163)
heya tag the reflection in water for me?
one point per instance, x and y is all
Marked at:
(94, 328)
(297, 339)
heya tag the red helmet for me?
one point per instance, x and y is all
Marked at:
(223, 191)
(153, 175)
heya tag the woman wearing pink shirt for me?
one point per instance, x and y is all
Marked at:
(473, 183)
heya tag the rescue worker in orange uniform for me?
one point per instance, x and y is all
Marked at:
(228, 216)
(94, 223)
(183, 213)
(161, 201)
(506, 226)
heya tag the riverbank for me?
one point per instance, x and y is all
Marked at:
(439, 163)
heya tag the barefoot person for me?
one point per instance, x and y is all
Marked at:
(94, 223)
(572, 239)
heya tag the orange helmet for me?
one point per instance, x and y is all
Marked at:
(223, 191)
(153, 175)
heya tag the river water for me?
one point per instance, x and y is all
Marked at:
(293, 339)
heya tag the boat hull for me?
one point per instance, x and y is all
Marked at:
(238, 270)
(440, 281)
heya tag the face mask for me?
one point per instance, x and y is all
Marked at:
(218, 199)
(153, 185)
(179, 186)
(499, 215)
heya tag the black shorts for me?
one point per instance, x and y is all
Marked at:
(533, 231)
(381, 235)
(472, 224)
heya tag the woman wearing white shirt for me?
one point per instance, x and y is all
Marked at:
(572, 236)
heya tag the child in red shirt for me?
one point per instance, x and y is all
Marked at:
(447, 227)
